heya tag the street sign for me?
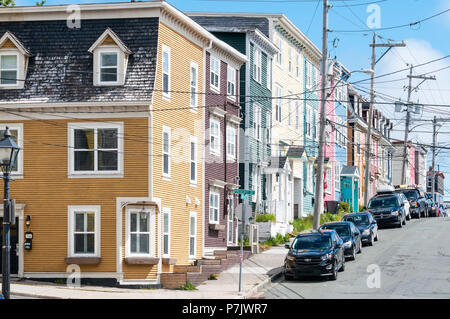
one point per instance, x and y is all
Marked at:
(248, 212)
(244, 191)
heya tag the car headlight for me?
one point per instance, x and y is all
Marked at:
(395, 212)
(290, 258)
(348, 243)
(327, 256)
(366, 232)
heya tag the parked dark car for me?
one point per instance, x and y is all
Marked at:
(443, 212)
(388, 209)
(349, 234)
(433, 210)
(315, 253)
(366, 224)
(417, 200)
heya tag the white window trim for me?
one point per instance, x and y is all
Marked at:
(310, 177)
(151, 237)
(269, 73)
(166, 210)
(290, 113)
(213, 87)
(194, 66)
(308, 72)
(166, 49)
(297, 116)
(279, 58)
(337, 177)
(166, 129)
(257, 61)
(193, 139)
(71, 149)
(211, 150)
(18, 69)
(297, 66)
(278, 102)
(192, 214)
(213, 192)
(71, 225)
(233, 155)
(20, 156)
(120, 65)
(290, 61)
(230, 220)
(316, 124)
(309, 120)
(329, 179)
(231, 95)
(257, 121)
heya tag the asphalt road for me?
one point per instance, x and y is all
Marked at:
(413, 262)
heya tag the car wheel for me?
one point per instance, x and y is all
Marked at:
(404, 221)
(288, 277)
(335, 272)
(360, 247)
(353, 257)
(343, 264)
(370, 243)
(408, 217)
(418, 216)
(377, 237)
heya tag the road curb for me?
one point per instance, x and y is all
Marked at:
(263, 284)
(23, 294)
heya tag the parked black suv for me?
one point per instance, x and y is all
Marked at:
(432, 207)
(416, 197)
(388, 209)
(315, 253)
(366, 224)
(349, 234)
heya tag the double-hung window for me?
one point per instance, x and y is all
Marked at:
(279, 93)
(194, 86)
(140, 230)
(290, 108)
(257, 64)
(308, 75)
(166, 71)
(166, 231)
(16, 131)
(192, 234)
(297, 115)
(316, 125)
(257, 121)
(214, 73)
(280, 55)
(297, 66)
(230, 219)
(84, 231)
(310, 177)
(213, 207)
(308, 123)
(109, 66)
(214, 136)
(269, 73)
(96, 148)
(193, 160)
(231, 142)
(166, 149)
(9, 69)
(231, 83)
(337, 176)
(290, 65)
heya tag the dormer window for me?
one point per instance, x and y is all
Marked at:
(13, 62)
(110, 59)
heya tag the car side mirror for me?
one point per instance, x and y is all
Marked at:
(357, 233)
(287, 246)
(374, 222)
(364, 207)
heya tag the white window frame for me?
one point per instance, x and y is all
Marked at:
(193, 158)
(214, 193)
(257, 117)
(95, 126)
(309, 177)
(19, 128)
(152, 231)
(257, 67)
(166, 211)
(230, 219)
(269, 73)
(308, 121)
(316, 124)
(337, 176)
(166, 49)
(278, 103)
(193, 87)
(329, 179)
(290, 108)
(280, 53)
(119, 66)
(192, 214)
(215, 151)
(71, 229)
(167, 130)
(308, 75)
(231, 145)
(213, 63)
(17, 69)
(231, 83)
(297, 66)
(315, 77)
(297, 115)
(290, 61)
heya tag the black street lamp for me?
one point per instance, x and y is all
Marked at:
(8, 158)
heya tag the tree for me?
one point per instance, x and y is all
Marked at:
(7, 3)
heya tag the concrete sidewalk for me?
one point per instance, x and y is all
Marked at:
(258, 271)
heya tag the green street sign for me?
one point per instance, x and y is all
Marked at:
(244, 191)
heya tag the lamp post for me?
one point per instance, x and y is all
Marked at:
(8, 158)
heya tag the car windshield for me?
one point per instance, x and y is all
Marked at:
(358, 219)
(383, 202)
(411, 194)
(342, 230)
(312, 242)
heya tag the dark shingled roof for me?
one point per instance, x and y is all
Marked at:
(349, 170)
(281, 161)
(295, 151)
(243, 23)
(60, 68)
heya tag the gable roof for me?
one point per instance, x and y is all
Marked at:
(350, 171)
(11, 37)
(109, 33)
(296, 152)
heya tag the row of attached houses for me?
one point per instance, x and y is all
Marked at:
(138, 122)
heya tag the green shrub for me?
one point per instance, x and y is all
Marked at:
(212, 277)
(246, 242)
(262, 218)
(188, 286)
(361, 208)
(306, 223)
(344, 207)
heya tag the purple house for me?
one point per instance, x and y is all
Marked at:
(221, 150)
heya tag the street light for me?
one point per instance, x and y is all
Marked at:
(8, 158)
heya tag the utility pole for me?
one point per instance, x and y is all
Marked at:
(318, 196)
(374, 47)
(434, 159)
(408, 115)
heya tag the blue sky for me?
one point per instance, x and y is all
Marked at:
(424, 42)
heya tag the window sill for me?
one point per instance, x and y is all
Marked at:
(141, 260)
(166, 178)
(192, 184)
(82, 260)
(214, 153)
(166, 97)
(214, 89)
(216, 226)
(95, 175)
(169, 261)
